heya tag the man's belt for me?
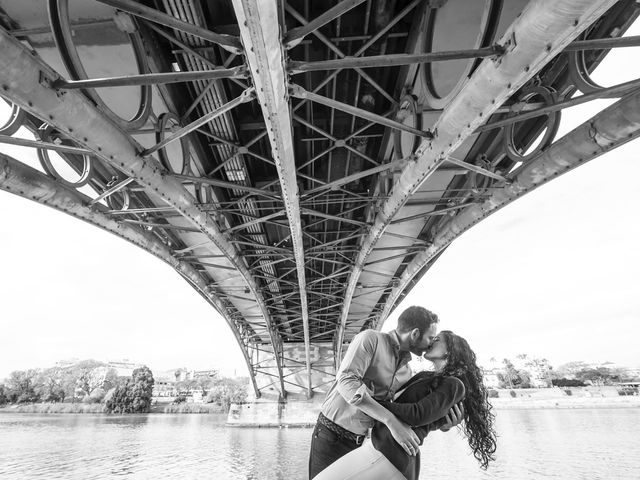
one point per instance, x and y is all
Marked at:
(341, 432)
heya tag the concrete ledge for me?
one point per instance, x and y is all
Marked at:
(260, 413)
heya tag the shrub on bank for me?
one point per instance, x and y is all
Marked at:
(57, 408)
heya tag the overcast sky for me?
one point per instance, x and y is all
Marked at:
(556, 274)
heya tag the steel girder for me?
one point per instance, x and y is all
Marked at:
(25, 181)
(541, 32)
(609, 129)
(262, 40)
(27, 80)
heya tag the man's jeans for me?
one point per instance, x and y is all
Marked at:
(326, 448)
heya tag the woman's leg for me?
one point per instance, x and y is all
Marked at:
(364, 463)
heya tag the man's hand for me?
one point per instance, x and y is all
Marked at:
(404, 435)
(454, 417)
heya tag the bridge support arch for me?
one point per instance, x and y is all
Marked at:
(297, 407)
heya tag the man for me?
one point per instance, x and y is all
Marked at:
(378, 362)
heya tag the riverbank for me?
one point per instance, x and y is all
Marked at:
(506, 399)
(188, 408)
(520, 403)
(575, 397)
(54, 408)
(93, 408)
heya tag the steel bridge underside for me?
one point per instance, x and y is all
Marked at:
(301, 164)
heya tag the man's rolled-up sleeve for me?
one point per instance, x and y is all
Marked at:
(354, 366)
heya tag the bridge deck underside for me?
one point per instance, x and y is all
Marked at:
(305, 201)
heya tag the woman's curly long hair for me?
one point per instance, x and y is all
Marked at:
(478, 421)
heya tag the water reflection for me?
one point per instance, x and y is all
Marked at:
(545, 444)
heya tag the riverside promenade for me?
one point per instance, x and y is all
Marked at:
(557, 397)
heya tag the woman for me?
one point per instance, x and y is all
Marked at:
(424, 403)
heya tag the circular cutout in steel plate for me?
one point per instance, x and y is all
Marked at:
(61, 29)
(80, 164)
(513, 151)
(14, 118)
(174, 156)
(435, 74)
(405, 143)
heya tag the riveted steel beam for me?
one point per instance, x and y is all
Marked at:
(256, 221)
(261, 36)
(244, 97)
(25, 80)
(538, 34)
(295, 35)
(608, 92)
(337, 218)
(603, 43)
(609, 129)
(474, 168)
(75, 26)
(227, 42)
(393, 60)
(167, 226)
(298, 92)
(353, 177)
(27, 182)
(151, 78)
(224, 184)
(441, 211)
(23, 142)
(111, 191)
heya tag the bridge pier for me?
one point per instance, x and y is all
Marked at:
(269, 413)
(295, 407)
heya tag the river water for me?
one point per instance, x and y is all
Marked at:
(533, 444)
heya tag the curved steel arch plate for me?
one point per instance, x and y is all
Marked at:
(27, 182)
(26, 80)
(609, 129)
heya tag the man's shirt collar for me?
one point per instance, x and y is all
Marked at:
(394, 340)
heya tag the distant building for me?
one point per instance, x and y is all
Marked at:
(183, 375)
(166, 383)
(196, 395)
(490, 377)
(123, 368)
(633, 372)
(70, 362)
